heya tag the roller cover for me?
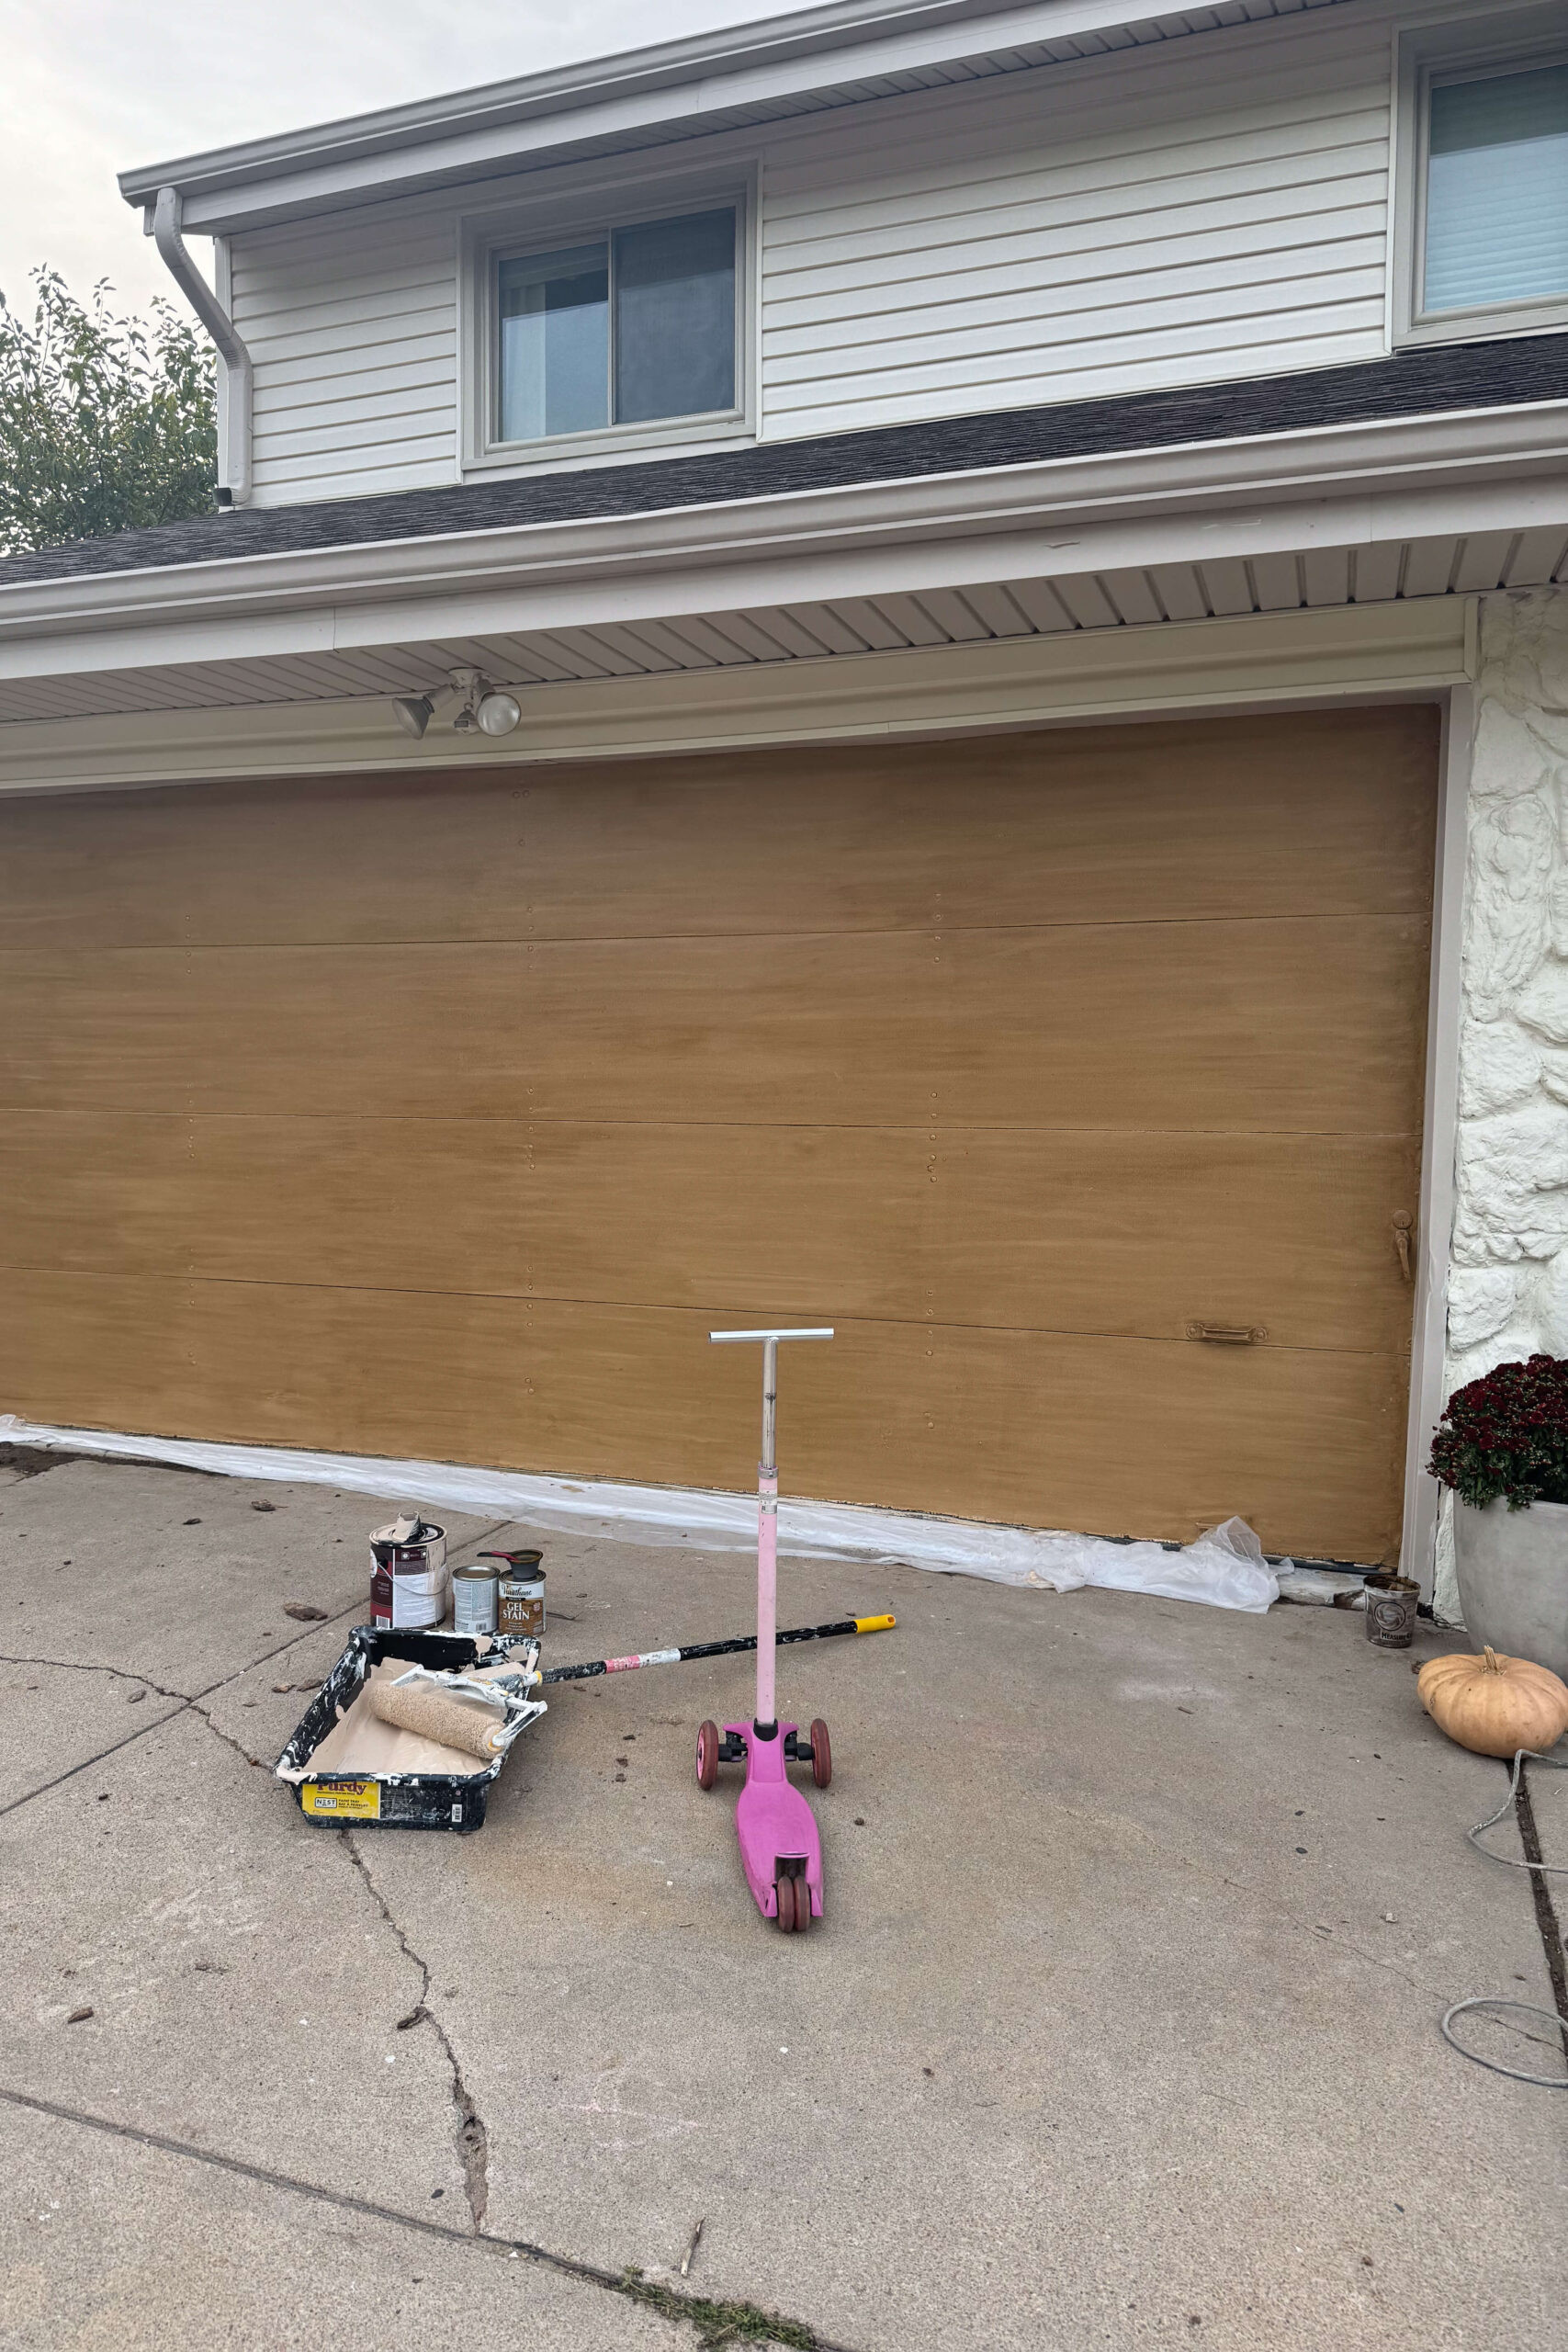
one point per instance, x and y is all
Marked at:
(453, 1721)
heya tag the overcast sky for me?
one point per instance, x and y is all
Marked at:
(90, 87)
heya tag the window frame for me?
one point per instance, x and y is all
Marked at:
(1475, 51)
(587, 217)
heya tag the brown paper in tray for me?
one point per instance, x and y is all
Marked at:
(360, 1743)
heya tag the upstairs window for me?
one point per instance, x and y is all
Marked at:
(1497, 190)
(633, 327)
(1482, 195)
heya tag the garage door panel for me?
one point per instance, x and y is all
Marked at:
(389, 1204)
(1005, 828)
(1305, 1025)
(1054, 1231)
(268, 1033)
(1117, 1436)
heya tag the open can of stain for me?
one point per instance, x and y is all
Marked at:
(520, 1594)
(408, 1575)
(474, 1599)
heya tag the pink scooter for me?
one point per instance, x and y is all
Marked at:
(780, 1848)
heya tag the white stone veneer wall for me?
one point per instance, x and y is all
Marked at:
(1509, 1279)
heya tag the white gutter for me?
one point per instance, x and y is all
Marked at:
(161, 222)
(1469, 462)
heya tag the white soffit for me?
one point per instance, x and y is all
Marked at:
(833, 629)
(767, 71)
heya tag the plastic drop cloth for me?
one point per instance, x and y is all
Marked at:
(1225, 1569)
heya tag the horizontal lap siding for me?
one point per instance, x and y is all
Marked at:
(1191, 212)
(352, 323)
(1212, 210)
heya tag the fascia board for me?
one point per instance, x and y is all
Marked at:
(674, 88)
(1456, 452)
(809, 575)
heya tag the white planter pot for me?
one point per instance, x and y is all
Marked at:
(1512, 1567)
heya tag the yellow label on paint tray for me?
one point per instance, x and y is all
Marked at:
(360, 1799)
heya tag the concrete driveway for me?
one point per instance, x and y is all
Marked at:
(1120, 2029)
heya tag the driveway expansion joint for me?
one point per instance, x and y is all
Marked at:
(1548, 1925)
(471, 2137)
(715, 2322)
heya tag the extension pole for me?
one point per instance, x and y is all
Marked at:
(715, 1649)
(766, 1722)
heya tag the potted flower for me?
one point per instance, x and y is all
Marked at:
(1502, 1446)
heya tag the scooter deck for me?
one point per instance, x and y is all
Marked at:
(776, 1827)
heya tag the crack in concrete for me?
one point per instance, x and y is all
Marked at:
(158, 1722)
(471, 2137)
(88, 1666)
(672, 2301)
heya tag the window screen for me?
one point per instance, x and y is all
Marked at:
(675, 317)
(625, 330)
(1497, 189)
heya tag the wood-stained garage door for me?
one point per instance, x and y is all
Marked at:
(443, 1116)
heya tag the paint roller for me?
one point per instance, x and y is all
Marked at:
(440, 1714)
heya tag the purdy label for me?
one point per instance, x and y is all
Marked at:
(358, 1799)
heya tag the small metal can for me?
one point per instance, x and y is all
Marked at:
(1390, 1613)
(519, 1596)
(474, 1600)
(408, 1579)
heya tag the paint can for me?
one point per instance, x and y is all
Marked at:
(408, 1575)
(520, 1594)
(474, 1599)
(1391, 1611)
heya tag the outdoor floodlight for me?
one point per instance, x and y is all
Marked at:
(413, 713)
(500, 713)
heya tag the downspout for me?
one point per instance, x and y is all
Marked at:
(161, 222)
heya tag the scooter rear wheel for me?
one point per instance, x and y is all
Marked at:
(707, 1755)
(785, 1889)
(821, 1754)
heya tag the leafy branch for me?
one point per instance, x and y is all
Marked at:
(106, 422)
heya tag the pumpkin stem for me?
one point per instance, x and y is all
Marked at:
(1490, 1659)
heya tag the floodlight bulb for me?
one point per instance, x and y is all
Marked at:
(413, 713)
(500, 713)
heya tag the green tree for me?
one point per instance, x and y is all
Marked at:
(106, 422)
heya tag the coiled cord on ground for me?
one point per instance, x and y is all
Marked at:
(1496, 2004)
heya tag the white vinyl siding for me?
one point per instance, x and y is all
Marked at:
(352, 323)
(1130, 223)
(1193, 211)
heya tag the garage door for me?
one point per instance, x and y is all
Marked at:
(444, 1115)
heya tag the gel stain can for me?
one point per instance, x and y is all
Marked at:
(520, 1594)
(474, 1599)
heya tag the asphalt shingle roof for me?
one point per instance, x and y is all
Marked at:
(1414, 382)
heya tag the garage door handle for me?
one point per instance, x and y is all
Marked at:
(1402, 1242)
(1229, 1335)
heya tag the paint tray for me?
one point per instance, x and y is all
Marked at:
(368, 1787)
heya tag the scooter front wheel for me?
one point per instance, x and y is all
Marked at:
(821, 1754)
(707, 1755)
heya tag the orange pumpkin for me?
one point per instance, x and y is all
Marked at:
(1495, 1705)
